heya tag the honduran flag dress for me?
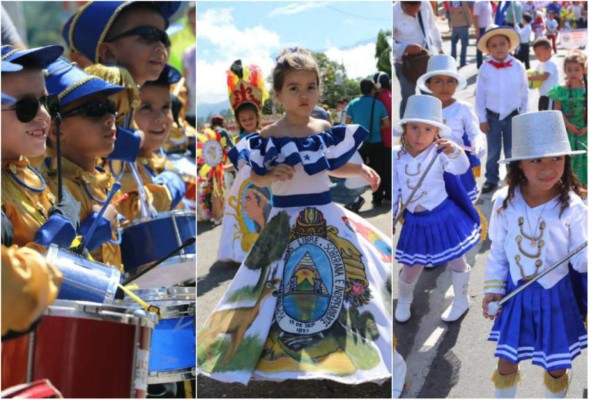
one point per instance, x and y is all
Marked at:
(440, 222)
(308, 302)
(544, 321)
(245, 214)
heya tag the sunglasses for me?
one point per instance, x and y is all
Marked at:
(147, 33)
(95, 109)
(28, 107)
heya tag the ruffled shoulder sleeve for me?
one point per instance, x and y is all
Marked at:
(558, 93)
(322, 151)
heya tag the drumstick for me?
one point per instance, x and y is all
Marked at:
(494, 306)
(138, 300)
(118, 201)
(115, 188)
(186, 243)
(178, 88)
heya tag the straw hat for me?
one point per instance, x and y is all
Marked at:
(494, 30)
(441, 64)
(426, 110)
(539, 134)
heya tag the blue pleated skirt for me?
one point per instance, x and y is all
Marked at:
(542, 324)
(435, 237)
(470, 185)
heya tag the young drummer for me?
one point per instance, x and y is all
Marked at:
(30, 205)
(154, 118)
(88, 132)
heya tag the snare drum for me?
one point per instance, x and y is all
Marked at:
(148, 240)
(83, 279)
(173, 342)
(93, 350)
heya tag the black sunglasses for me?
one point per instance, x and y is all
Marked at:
(147, 33)
(95, 109)
(28, 107)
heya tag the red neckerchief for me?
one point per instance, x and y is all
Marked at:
(500, 65)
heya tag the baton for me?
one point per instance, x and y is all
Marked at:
(419, 183)
(494, 306)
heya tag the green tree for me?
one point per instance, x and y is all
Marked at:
(383, 51)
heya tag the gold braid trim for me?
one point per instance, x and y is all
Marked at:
(73, 25)
(505, 381)
(556, 385)
(109, 23)
(5, 56)
(75, 86)
(484, 224)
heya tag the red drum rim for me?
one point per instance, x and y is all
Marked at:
(102, 312)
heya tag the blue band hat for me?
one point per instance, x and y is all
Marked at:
(169, 76)
(70, 83)
(65, 29)
(7, 66)
(41, 56)
(90, 25)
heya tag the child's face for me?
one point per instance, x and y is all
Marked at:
(419, 136)
(248, 119)
(498, 47)
(85, 136)
(574, 71)
(24, 138)
(154, 116)
(145, 60)
(299, 93)
(543, 173)
(543, 53)
(443, 87)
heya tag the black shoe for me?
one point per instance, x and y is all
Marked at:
(488, 187)
(356, 206)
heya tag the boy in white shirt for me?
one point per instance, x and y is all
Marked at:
(546, 72)
(524, 32)
(501, 94)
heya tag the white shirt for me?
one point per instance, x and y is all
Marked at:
(501, 90)
(525, 33)
(407, 170)
(484, 11)
(560, 236)
(407, 31)
(551, 25)
(553, 79)
(460, 117)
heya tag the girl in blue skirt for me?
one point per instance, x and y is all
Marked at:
(537, 219)
(440, 223)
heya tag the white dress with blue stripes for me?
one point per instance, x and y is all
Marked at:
(308, 302)
(545, 321)
(440, 223)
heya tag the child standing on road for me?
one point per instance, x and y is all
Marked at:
(501, 93)
(546, 72)
(307, 303)
(442, 80)
(437, 229)
(571, 99)
(537, 219)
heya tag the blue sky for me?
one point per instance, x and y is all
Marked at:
(257, 31)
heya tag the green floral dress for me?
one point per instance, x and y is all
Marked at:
(574, 108)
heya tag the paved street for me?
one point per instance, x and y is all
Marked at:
(213, 280)
(456, 360)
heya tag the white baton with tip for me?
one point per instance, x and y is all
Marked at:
(494, 306)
